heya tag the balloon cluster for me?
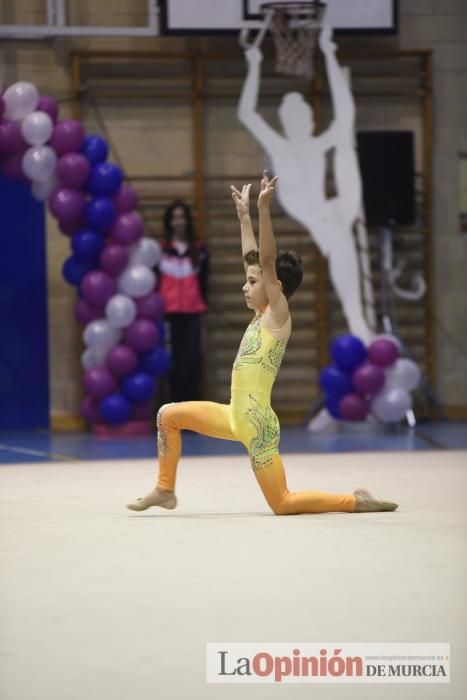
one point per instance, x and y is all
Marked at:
(372, 379)
(111, 261)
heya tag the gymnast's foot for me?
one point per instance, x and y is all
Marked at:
(163, 499)
(366, 503)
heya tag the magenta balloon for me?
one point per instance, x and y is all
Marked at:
(85, 312)
(126, 199)
(99, 382)
(11, 138)
(143, 411)
(122, 360)
(70, 227)
(114, 258)
(48, 105)
(89, 409)
(383, 352)
(151, 306)
(368, 379)
(73, 170)
(12, 166)
(66, 204)
(353, 408)
(98, 287)
(67, 136)
(127, 228)
(141, 335)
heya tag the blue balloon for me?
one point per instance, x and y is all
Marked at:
(95, 149)
(73, 270)
(115, 409)
(155, 362)
(104, 180)
(100, 213)
(335, 382)
(138, 386)
(160, 325)
(87, 245)
(348, 352)
(332, 404)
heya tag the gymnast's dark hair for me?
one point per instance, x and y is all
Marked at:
(190, 232)
(289, 269)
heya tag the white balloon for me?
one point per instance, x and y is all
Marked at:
(404, 374)
(120, 311)
(391, 405)
(146, 252)
(20, 100)
(137, 281)
(39, 163)
(41, 190)
(92, 357)
(37, 128)
(99, 335)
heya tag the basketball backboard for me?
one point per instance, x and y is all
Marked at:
(185, 17)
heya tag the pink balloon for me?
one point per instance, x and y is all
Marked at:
(73, 170)
(85, 312)
(151, 306)
(97, 287)
(383, 352)
(368, 379)
(98, 382)
(122, 360)
(11, 138)
(114, 258)
(89, 409)
(127, 228)
(67, 204)
(141, 335)
(67, 136)
(353, 408)
(126, 199)
(49, 105)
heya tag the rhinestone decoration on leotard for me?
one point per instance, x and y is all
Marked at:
(251, 343)
(266, 442)
(162, 442)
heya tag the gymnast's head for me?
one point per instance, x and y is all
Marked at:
(296, 116)
(289, 269)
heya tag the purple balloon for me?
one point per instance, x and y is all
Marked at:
(98, 287)
(12, 166)
(73, 169)
(143, 411)
(122, 360)
(89, 409)
(151, 306)
(114, 258)
(383, 352)
(67, 136)
(11, 138)
(98, 382)
(126, 199)
(127, 228)
(48, 105)
(352, 407)
(141, 335)
(368, 379)
(70, 227)
(85, 312)
(66, 204)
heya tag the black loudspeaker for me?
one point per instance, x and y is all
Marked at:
(387, 169)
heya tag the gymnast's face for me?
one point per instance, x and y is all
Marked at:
(254, 289)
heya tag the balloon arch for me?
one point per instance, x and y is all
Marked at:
(111, 261)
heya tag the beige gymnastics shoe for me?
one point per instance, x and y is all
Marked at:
(365, 502)
(163, 499)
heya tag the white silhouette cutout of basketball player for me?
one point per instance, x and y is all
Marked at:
(299, 159)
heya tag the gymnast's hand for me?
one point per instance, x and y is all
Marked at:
(242, 200)
(253, 55)
(267, 189)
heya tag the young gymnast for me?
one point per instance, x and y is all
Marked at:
(271, 278)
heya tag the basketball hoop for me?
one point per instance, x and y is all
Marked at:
(294, 27)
